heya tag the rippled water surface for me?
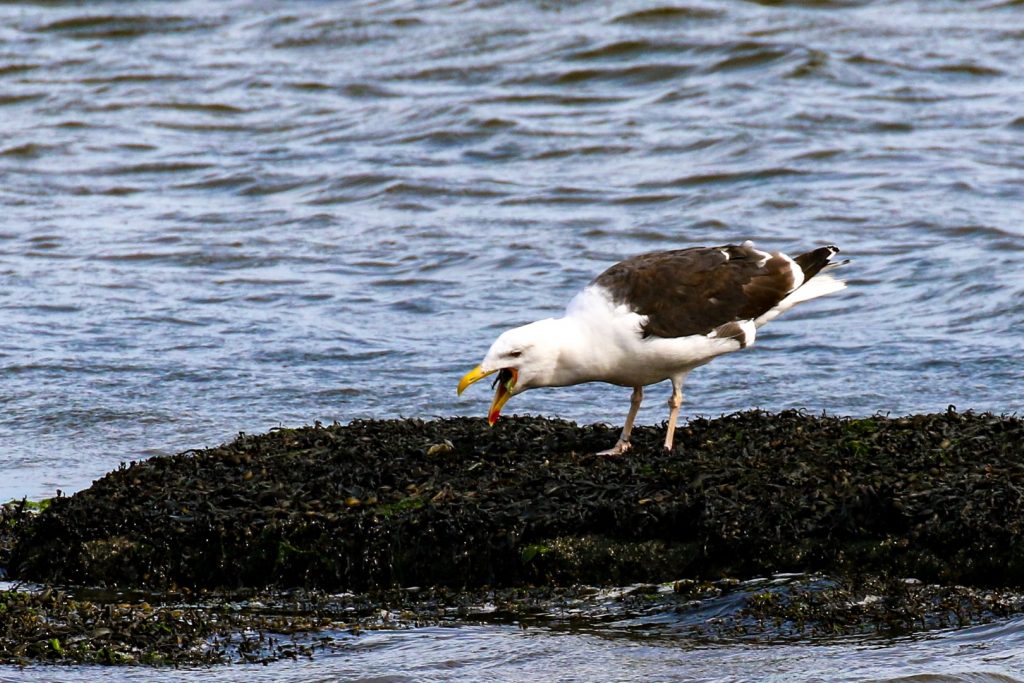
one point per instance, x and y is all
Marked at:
(228, 216)
(984, 654)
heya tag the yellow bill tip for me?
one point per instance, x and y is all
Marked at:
(474, 375)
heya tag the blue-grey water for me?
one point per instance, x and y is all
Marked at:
(982, 654)
(223, 217)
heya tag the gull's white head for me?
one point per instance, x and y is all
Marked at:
(524, 357)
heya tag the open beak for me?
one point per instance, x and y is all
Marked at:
(504, 383)
(474, 375)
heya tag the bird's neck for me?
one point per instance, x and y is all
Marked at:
(576, 352)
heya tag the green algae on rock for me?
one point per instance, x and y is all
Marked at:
(14, 517)
(59, 627)
(376, 504)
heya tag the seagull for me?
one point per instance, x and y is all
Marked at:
(653, 317)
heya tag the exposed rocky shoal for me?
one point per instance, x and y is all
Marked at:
(377, 504)
(896, 523)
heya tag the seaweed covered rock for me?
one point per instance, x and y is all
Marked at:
(14, 517)
(452, 502)
(54, 627)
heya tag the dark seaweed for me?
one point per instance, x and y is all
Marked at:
(377, 504)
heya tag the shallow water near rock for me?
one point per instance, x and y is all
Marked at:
(984, 654)
(224, 217)
(641, 632)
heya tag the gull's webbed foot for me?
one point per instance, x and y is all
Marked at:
(620, 448)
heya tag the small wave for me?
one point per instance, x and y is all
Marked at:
(463, 75)
(44, 239)
(637, 74)
(815, 64)
(113, 191)
(17, 68)
(629, 49)
(204, 258)
(820, 154)
(440, 189)
(640, 199)
(192, 127)
(84, 417)
(157, 167)
(208, 300)
(892, 67)
(169, 320)
(301, 357)
(890, 126)
(637, 235)
(367, 91)
(366, 180)
(965, 677)
(419, 306)
(269, 298)
(986, 231)
(751, 56)
(6, 100)
(583, 151)
(49, 308)
(125, 26)
(220, 182)
(348, 31)
(409, 282)
(246, 184)
(131, 77)
(561, 100)
(72, 366)
(341, 193)
(668, 16)
(910, 95)
(28, 150)
(337, 393)
(559, 196)
(813, 4)
(724, 178)
(261, 281)
(310, 86)
(966, 69)
(46, 252)
(448, 137)
(216, 108)
(265, 186)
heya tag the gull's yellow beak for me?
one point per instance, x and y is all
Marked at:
(504, 384)
(474, 375)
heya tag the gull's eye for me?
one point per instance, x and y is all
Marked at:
(514, 354)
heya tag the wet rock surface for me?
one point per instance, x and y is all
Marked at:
(179, 628)
(65, 627)
(895, 525)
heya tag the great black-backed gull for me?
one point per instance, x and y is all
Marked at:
(654, 317)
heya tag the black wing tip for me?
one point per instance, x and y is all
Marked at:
(833, 249)
(816, 260)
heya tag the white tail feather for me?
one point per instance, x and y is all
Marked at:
(819, 285)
